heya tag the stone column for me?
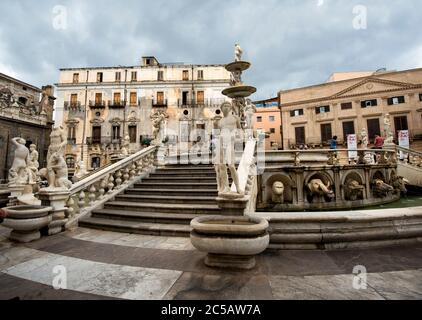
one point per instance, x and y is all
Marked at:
(56, 199)
(15, 192)
(337, 183)
(232, 207)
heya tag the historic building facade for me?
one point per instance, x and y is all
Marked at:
(268, 121)
(99, 107)
(313, 115)
(25, 111)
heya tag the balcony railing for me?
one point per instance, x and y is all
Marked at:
(212, 102)
(116, 104)
(71, 141)
(72, 106)
(98, 140)
(159, 103)
(97, 104)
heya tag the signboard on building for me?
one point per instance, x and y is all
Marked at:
(404, 142)
(352, 145)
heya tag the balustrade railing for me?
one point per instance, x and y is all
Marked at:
(99, 187)
(410, 157)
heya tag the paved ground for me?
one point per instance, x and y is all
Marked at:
(106, 265)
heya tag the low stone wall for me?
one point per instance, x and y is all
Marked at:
(341, 230)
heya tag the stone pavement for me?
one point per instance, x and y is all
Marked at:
(107, 265)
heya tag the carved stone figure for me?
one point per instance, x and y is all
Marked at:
(353, 190)
(80, 169)
(399, 184)
(124, 151)
(228, 127)
(20, 173)
(250, 110)
(364, 137)
(389, 140)
(56, 165)
(238, 53)
(381, 189)
(317, 188)
(278, 192)
(157, 119)
(33, 163)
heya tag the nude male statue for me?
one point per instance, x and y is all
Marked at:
(19, 172)
(228, 126)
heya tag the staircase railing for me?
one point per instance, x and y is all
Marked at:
(92, 192)
(409, 156)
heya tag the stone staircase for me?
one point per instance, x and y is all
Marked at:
(162, 204)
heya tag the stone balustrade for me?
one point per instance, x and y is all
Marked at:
(96, 189)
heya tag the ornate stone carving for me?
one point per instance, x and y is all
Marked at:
(238, 53)
(157, 120)
(278, 192)
(317, 188)
(80, 169)
(399, 184)
(124, 151)
(380, 189)
(389, 136)
(364, 138)
(353, 190)
(20, 172)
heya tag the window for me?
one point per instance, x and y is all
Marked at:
(132, 134)
(396, 100)
(134, 76)
(348, 128)
(160, 98)
(400, 123)
(300, 135)
(346, 106)
(95, 162)
(160, 75)
(99, 77)
(323, 109)
(116, 132)
(272, 130)
(326, 133)
(271, 118)
(73, 100)
(420, 97)
(23, 100)
(259, 119)
(200, 98)
(373, 128)
(71, 134)
(118, 76)
(200, 74)
(70, 161)
(369, 103)
(98, 98)
(96, 134)
(133, 98)
(296, 113)
(116, 98)
(75, 77)
(185, 75)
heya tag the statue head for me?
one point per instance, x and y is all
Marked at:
(21, 141)
(226, 107)
(32, 147)
(278, 188)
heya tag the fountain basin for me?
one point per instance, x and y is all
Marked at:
(26, 222)
(231, 242)
(238, 66)
(239, 91)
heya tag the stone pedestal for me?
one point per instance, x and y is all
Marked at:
(15, 192)
(232, 207)
(57, 199)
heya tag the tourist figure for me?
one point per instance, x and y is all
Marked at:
(379, 142)
(333, 143)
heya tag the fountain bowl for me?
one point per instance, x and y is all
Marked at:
(230, 242)
(238, 66)
(240, 91)
(27, 221)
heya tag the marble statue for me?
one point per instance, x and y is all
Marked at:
(157, 119)
(278, 192)
(80, 169)
(20, 172)
(33, 163)
(381, 189)
(317, 188)
(238, 53)
(124, 151)
(57, 171)
(249, 112)
(353, 190)
(389, 137)
(399, 184)
(364, 137)
(228, 127)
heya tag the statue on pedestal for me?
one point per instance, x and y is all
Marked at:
(364, 137)
(33, 163)
(20, 172)
(249, 113)
(238, 53)
(124, 151)
(57, 172)
(226, 157)
(389, 136)
(157, 119)
(80, 169)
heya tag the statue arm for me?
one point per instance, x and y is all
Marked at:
(15, 141)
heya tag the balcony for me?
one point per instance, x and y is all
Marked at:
(98, 140)
(72, 106)
(97, 104)
(116, 104)
(71, 141)
(159, 103)
(213, 102)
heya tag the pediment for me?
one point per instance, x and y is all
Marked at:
(373, 85)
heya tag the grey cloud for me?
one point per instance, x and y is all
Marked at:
(290, 43)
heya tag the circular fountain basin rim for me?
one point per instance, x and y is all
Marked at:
(230, 225)
(238, 66)
(241, 91)
(27, 211)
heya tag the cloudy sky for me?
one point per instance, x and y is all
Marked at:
(290, 43)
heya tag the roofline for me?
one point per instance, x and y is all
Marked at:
(21, 82)
(275, 99)
(160, 65)
(347, 80)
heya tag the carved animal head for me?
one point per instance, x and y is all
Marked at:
(381, 188)
(354, 185)
(399, 184)
(278, 188)
(317, 187)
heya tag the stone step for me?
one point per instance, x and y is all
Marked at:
(149, 217)
(179, 179)
(192, 174)
(186, 198)
(174, 192)
(176, 185)
(164, 207)
(159, 229)
(186, 168)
